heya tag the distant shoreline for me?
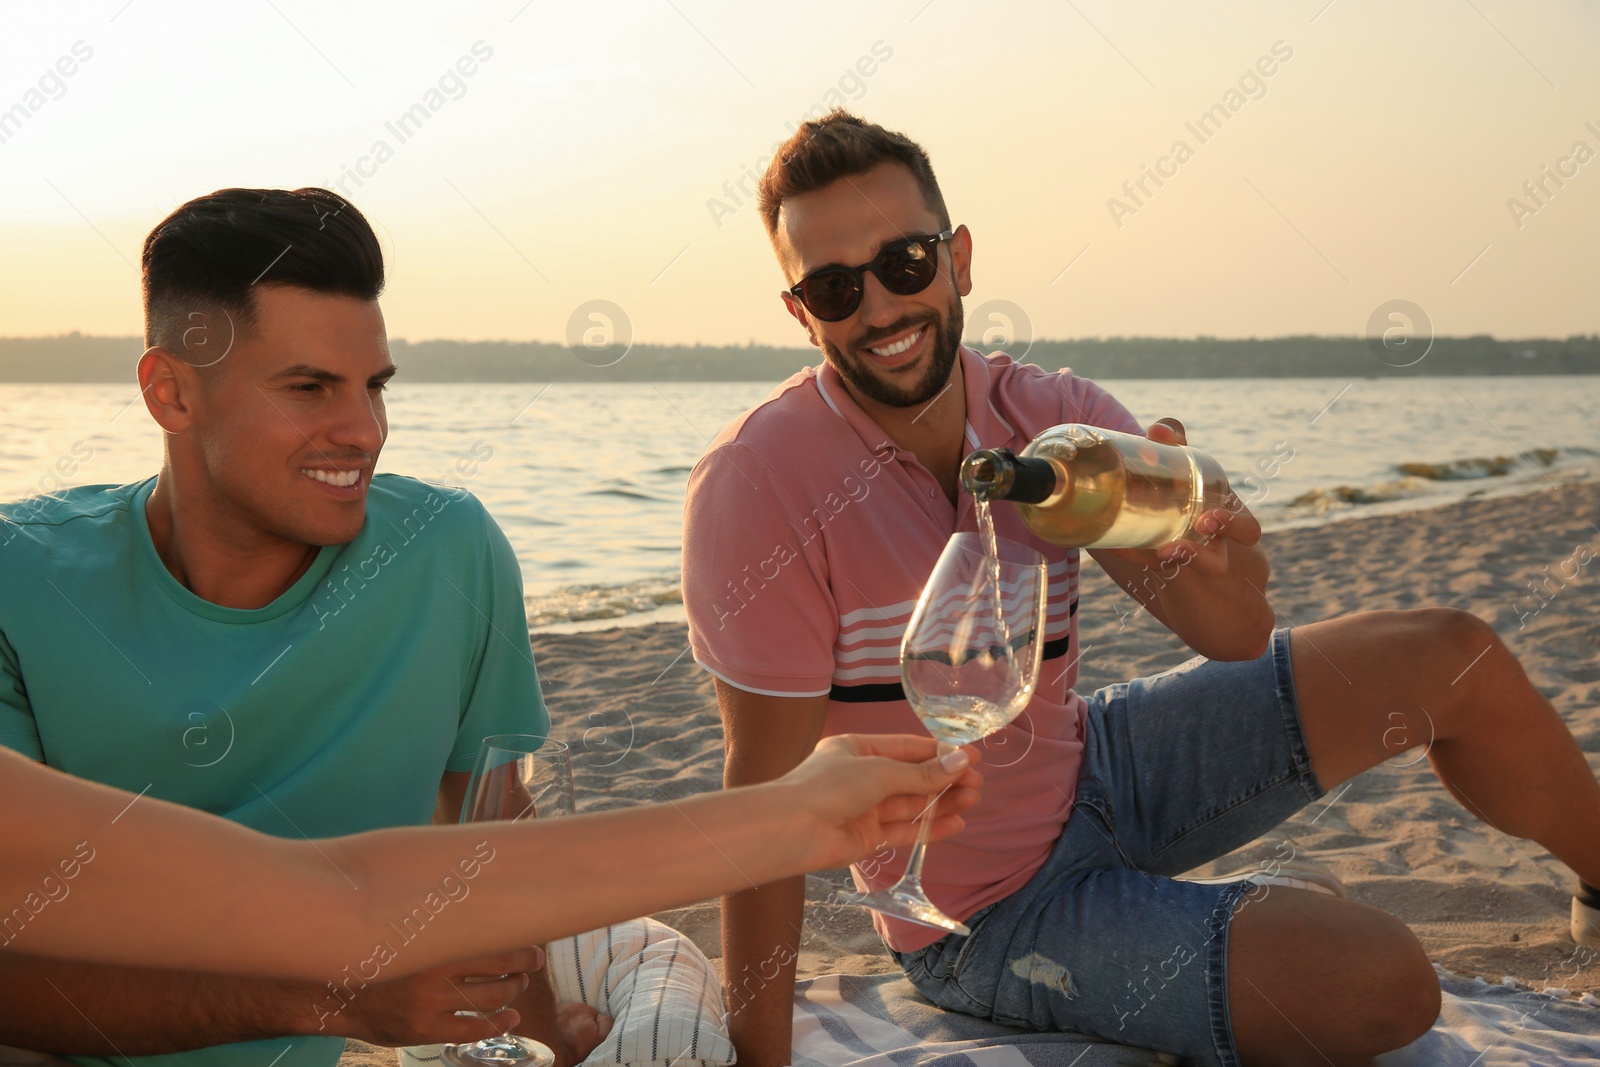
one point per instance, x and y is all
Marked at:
(79, 358)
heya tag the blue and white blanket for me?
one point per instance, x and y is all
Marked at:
(881, 1021)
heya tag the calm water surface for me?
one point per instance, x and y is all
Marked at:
(588, 480)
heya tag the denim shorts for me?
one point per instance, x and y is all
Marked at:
(1178, 769)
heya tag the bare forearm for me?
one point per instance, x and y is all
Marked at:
(297, 908)
(92, 1009)
(760, 946)
(694, 849)
(1223, 618)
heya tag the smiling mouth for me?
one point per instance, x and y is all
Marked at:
(341, 479)
(899, 346)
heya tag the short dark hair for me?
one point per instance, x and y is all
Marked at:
(839, 145)
(209, 254)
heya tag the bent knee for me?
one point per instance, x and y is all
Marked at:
(1398, 989)
(1445, 646)
(1407, 997)
(1351, 979)
(1446, 629)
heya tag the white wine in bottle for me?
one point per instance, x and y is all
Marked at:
(1087, 487)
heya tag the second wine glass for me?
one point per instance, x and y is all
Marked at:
(517, 776)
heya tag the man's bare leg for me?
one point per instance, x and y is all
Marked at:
(1375, 684)
(1318, 980)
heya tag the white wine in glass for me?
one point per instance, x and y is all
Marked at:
(517, 776)
(969, 665)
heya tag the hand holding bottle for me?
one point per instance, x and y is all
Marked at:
(1207, 550)
(1159, 518)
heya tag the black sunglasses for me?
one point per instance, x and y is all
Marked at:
(905, 267)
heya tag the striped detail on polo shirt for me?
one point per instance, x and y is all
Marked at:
(866, 655)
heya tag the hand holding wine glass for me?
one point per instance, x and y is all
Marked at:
(854, 817)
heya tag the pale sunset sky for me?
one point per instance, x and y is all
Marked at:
(1367, 151)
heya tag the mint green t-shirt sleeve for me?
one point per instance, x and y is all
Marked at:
(18, 731)
(503, 693)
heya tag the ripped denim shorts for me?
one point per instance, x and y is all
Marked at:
(1178, 769)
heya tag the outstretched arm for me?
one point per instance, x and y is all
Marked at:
(70, 1006)
(145, 875)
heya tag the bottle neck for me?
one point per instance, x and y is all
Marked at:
(1000, 474)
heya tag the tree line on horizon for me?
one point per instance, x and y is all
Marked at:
(80, 358)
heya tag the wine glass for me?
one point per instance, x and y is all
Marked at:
(969, 664)
(517, 776)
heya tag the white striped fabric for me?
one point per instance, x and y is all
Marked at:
(659, 987)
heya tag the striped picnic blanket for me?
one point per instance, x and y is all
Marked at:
(881, 1021)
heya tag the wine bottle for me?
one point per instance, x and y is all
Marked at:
(1088, 487)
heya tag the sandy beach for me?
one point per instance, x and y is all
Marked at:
(644, 720)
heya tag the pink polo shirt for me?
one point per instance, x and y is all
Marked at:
(808, 536)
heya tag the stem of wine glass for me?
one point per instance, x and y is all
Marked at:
(913, 876)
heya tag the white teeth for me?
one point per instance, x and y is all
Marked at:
(898, 347)
(343, 479)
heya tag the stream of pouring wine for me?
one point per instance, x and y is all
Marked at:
(991, 552)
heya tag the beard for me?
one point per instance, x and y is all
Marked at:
(858, 371)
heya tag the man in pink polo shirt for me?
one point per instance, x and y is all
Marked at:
(811, 526)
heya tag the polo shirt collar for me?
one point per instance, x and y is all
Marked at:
(839, 400)
(986, 427)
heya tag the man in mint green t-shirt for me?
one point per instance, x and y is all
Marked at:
(265, 631)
